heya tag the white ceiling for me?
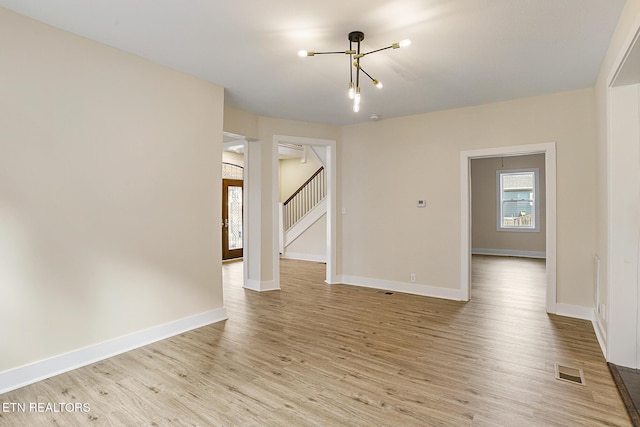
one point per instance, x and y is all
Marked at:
(463, 52)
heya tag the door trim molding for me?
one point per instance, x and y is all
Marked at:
(549, 151)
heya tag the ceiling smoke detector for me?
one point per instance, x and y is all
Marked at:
(374, 117)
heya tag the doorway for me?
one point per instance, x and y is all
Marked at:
(232, 218)
(508, 218)
(549, 151)
(330, 167)
(508, 206)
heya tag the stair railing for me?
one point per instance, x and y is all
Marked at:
(305, 198)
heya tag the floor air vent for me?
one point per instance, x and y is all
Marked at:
(567, 373)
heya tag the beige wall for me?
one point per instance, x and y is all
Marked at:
(312, 244)
(484, 206)
(240, 122)
(294, 173)
(269, 126)
(388, 165)
(233, 158)
(109, 193)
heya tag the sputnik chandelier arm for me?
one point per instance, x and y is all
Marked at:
(355, 56)
(375, 82)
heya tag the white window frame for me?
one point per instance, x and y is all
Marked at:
(536, 201)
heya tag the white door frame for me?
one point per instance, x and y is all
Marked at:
(242, 140)
(549, 151)
(331, 169)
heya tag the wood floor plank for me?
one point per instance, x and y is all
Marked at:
(314, 354)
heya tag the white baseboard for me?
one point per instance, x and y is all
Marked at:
(575, 311)
(601, 334)
(509, 252)
(261, 286)
(337, 280)
(41, 370)
(305, 257)
(409, 288)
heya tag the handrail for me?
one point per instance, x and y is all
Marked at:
(304, 199)
(304, 185)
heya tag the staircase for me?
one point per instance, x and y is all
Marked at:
(303, 209)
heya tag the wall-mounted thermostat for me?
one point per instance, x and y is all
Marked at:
(421, 203)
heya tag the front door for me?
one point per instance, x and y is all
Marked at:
(231, 218)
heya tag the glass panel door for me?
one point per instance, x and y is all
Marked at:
(231, 218)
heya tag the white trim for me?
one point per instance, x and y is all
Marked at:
(305, 257)
(601, 333)
(549, 150)
(500, 202)
(465, 225)
(250, 250)
(281, 228)
(508, 252)
(274, 283)
(245, 213)
(551, 225)
(338, 280)
(609, 196)
(262, 286)
(623, 53)
(575, 311)
(408, 288)
(47, 368)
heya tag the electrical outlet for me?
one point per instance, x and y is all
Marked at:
(412, 278)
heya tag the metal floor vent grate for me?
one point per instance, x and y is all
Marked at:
(567, 373)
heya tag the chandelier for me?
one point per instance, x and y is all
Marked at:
(355, 56)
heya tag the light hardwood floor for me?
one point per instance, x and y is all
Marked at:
(314, 354)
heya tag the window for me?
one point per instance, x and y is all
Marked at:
(518, 208)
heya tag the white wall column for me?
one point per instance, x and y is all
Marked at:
(624, 225)
(260, 260)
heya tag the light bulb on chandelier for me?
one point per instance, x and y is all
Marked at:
(352, 91)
